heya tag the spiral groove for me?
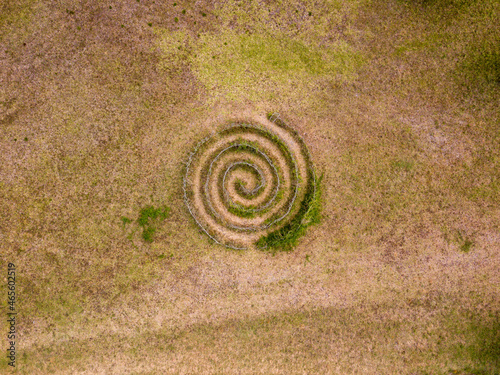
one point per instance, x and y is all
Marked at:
(247, 181)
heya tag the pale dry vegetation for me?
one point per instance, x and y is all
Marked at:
(397, 102)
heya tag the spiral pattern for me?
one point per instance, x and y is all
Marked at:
(248, 180)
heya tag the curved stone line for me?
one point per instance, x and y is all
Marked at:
(304, 149)
(271, 136)
(248, 192)
(260, 152)
(236, 227)
(187, 201)
(264, 226)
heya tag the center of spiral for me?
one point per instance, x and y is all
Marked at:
(245, 178)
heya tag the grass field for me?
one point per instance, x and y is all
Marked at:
(398, 102)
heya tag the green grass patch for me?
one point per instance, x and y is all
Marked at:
(257, 66)
(464, 242)
(125, 220)
(309, 214)
(149, 218)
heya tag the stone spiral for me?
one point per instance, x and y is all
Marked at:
(247, 181)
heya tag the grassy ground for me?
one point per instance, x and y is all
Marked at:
(397, 102)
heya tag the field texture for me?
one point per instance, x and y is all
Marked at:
(135, 251)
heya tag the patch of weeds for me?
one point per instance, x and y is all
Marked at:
(149, 218)
(309, 214)
(466, 246)
(307, 259)
(125, 220)
(465, 243)
(163, 256)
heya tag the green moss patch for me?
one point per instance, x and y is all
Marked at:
(243, 66)
(149, 219)
(309, 214)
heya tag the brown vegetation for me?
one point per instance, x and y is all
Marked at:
(397, 102)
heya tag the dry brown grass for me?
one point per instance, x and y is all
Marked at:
(397, 102)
